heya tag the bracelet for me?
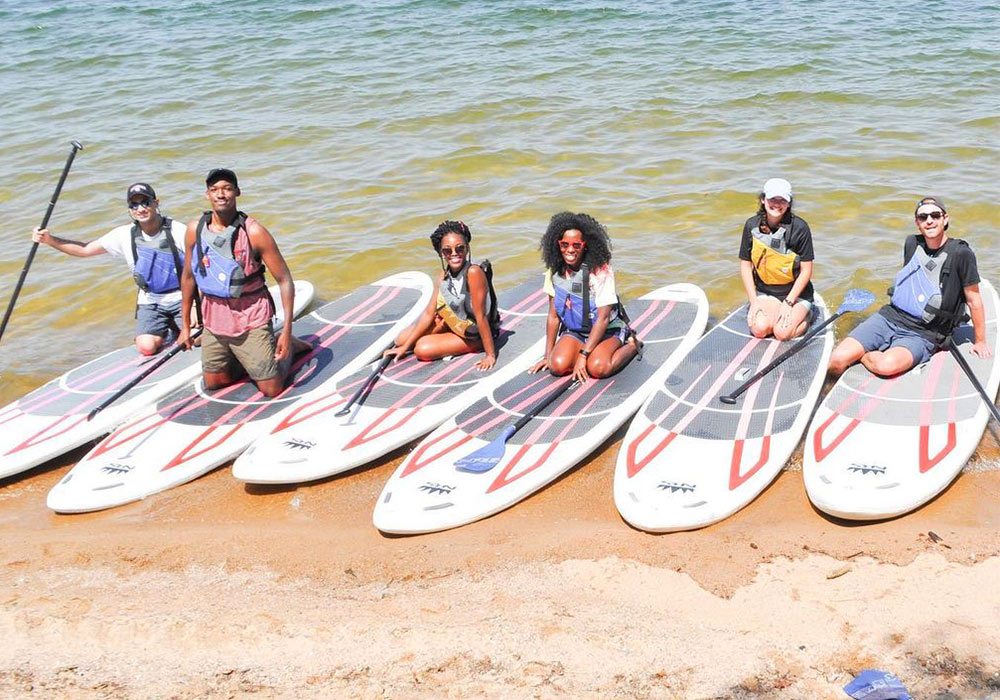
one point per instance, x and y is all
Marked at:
(786, 301)
(585, 352)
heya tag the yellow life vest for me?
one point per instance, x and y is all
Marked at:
(772, 262)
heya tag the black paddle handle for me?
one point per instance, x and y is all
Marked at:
(77, 146)
(731, 398)
(369, 380)
(957, 354)
(542, 405)
(145, 373)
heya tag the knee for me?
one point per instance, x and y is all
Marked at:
(560, 364)
(148, 345)
(598, 367)
(760, 329)
(270, 391)
(423, 351)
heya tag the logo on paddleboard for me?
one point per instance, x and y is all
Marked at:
(674, 487)
(297, 444)
(116, 468)
(435, 489)
(866, 468)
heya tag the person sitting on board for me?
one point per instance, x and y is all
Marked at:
(776, 265)
(939, 278)
(464, 316)
(228, 252)
(587, 331)
(152, 247)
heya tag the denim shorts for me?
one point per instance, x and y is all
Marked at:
(621, 333)
(879, 333)
(157, 319)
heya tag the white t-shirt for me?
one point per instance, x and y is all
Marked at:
(118, 242)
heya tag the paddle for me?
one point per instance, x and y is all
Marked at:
(366, 385)
(145, 373)
(77, 146)
(488, 456)
(854, 300)
(957, 354)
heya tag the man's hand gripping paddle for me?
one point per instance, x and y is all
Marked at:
(488, 456)
(854, 300)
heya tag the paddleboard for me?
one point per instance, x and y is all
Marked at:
(428, 493)
(52, 419)
(878, 447)
(408, 400)
(689, 460)
(192, 430)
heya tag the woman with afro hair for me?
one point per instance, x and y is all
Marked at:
(585, 332)
(462, 317)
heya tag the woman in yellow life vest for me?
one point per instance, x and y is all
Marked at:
(776, 265)
(463, 317)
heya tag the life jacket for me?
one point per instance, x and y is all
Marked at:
(454, 305)
(216, 270)
(917, 289)
(158, 263)
(572, 302)
(772, 261)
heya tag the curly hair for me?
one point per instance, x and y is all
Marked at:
(597, 252)
(446, 227)
(762, 214)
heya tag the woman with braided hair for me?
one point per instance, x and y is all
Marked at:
(586, 333)
(463, 317)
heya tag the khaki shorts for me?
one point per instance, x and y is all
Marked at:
(253, 352)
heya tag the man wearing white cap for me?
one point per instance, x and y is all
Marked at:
(153, 248)
(927, 300)
(776, 265)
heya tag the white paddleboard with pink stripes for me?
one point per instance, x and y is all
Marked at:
(427, 492)
(52, 419)
(409, 399)
(878, 448)
(690, 460)
(192, 430)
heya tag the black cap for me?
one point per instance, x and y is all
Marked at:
(139, 188)
(930, 200)
(216, 174)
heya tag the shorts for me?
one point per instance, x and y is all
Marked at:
(620, 333)
(810, 307)
(252, 352)
(157, 319)
(879, 333)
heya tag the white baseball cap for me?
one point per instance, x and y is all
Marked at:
(778, 187)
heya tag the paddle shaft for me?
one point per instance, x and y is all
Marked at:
(957, 354)
(369, 380)
(77, 146)
(541, 406)
(731, 398)
(145, 373)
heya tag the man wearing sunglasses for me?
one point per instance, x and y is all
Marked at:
(938, 282)
(152, 246)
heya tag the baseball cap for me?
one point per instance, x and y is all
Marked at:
(141, 189)
(216, 174)
(930, 200)
(778, 187)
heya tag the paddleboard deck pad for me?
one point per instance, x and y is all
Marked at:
(690, 460)
(428, 493)
(878, 447)
(193, 430)
(52, 419)
(409, 399)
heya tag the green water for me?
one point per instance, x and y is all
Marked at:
(355, 128)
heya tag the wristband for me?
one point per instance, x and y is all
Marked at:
(786, 301)
(585, 352)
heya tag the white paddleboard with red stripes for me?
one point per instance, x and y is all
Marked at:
(878, 448)
(690, 460)
(191, 431)
(410, 398)
(428, 493)
(52, 419)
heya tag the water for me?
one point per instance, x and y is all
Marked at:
(356, 127)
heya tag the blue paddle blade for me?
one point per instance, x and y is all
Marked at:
(487, 456)
(856, 300)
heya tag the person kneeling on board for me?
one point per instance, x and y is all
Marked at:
(464, 316)
(228, 252)
(776, 265)
(587, 332)
(927, 300)
(151, 246)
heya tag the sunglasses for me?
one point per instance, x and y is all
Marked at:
(936, 215)
(140, 204)
(575, 245)
(457, 250)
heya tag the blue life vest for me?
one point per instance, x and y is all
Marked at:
(572, 301)
(158, 263)
(918, 286)
(216, 270)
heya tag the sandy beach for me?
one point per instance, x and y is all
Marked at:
(222, 590)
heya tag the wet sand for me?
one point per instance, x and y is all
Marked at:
(217, 589)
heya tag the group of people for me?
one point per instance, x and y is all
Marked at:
(209, 274)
